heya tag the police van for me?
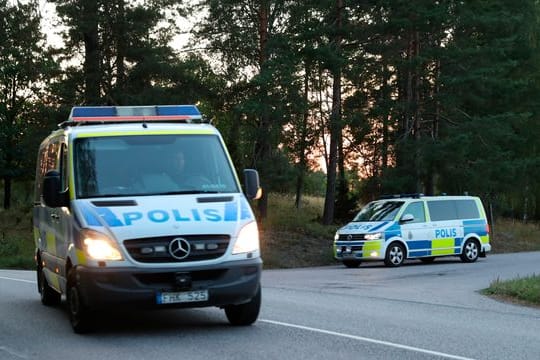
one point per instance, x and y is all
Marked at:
(142, 206)
(414, 227)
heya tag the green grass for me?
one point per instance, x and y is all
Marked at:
(513, 236)
(292, 237)
(524, 290)
(16, 239)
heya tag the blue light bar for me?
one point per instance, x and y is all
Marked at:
(186, 113)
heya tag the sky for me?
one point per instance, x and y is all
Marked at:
(52, 28)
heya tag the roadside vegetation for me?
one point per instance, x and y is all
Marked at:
(523, 290)
(16, 239)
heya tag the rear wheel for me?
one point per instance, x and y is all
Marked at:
(49, 296)
(79, 314)
(352, 263)
(395, 255)
(471, 251)
(244, 314)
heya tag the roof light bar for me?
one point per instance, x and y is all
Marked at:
(87, 114)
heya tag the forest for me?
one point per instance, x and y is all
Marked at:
(343, 99)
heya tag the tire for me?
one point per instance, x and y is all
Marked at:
(244, 314)
(352, 263)
(49, 296)
(471, 251)
(428, 260)
(79, 314)
(395, 255)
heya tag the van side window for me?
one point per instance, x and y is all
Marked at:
(467, 209)
(64, 167)
(441, 210)
(453, 210)
(417, 210)
(47, 160)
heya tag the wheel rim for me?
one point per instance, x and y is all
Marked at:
(471, 251)
(396, 255)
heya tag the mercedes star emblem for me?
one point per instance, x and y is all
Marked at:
(179, 248)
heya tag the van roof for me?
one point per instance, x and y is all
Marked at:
(119, 129)
(424, 197)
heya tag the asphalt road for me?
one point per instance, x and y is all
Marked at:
(416, 311)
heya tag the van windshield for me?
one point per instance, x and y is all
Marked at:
(379, 211)
(137, 165)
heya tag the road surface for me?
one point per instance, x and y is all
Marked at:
(416, 311)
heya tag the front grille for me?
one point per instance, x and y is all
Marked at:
(353, 237)
(352, 248)
(156, 249)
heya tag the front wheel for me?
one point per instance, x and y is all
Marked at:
(79, 314)
(395, 255)
(470, 251)
(49, 296)
(244, 314)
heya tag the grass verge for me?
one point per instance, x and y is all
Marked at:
(16, 239)
(523, 290)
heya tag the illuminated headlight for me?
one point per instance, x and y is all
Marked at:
(99, 246)
(248, 239)
(375, 236)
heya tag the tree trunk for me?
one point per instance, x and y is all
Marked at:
(7, 192)
(302, 163)
(335, 125)
(91, 52)
(263, 145)
(120, 50)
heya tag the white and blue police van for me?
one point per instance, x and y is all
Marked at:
(413, 226)
(142, 206)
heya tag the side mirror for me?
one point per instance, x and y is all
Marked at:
(52, 193)
(407, 218)
(252, 186)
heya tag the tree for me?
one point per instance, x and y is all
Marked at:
(127, 57)
(249, 39)
(25, 65)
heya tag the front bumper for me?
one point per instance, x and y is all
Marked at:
(358, 250)
(234, 282)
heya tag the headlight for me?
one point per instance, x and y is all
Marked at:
(375, 236)
(248, 239)
(99, 246)
(336, 237)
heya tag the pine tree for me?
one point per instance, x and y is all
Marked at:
(25, 67)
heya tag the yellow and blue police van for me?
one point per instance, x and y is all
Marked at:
(413, 226)
(142, 206)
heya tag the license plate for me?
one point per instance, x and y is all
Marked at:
(181, 297)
